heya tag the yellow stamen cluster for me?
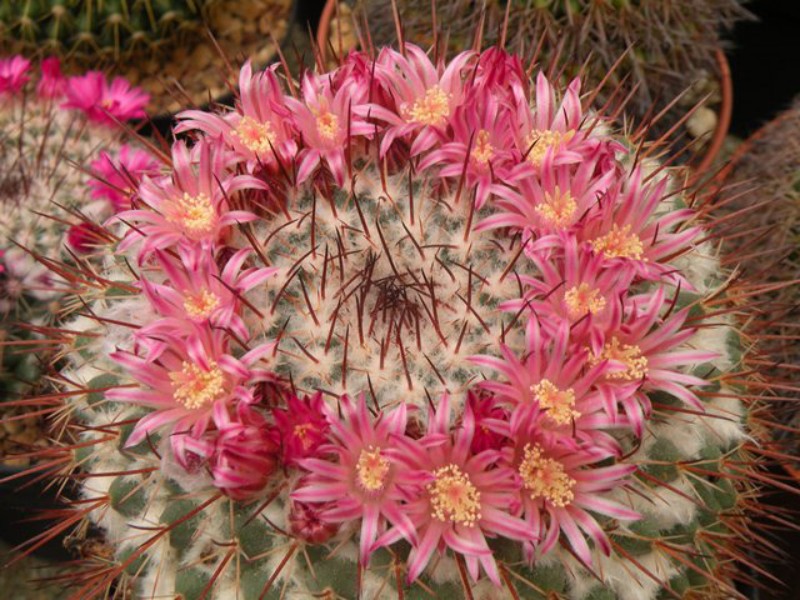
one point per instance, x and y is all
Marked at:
(194, 387)
(200, 306)
(328, 126)
(559, 404)
(195, 214)
(255, 136)
(540, 141)
(482, 149)
(558, 209)
(582, 299)
(630, 356)
(545, 478)
(301, 433)
(453, 497)
(620, 243)
(431, 109)
(372, 469)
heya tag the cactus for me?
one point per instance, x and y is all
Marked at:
(653, 50)
(764, 181)
(411, 330)
(41, 194)
(108, 28)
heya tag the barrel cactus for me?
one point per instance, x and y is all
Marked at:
(410, 329)
(111, 29)
(44, 133)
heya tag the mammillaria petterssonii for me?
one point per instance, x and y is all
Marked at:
(410, 329)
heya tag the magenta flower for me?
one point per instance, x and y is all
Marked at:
(103, 103)
(305, 522)
(487, 410)
(85, 237)
(51, 82)
(501, 74)
(115, 179)
(191, 206)
(327, 118)
(425, 96)
(182, 379)
(245, 454)
(301, 427)
(463, 498)
(364, 482)
(13, 74)
(561, 480)
(197, 293)
(259, 130)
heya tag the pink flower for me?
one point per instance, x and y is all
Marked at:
(183, 379)
(51, 82)
(260, 130)
(632, 229)
(560, 200)
(115, 179)
(103, 103)
(245, 454)
(197, 293)
(481, 148)
(575, 287)
(328, 119)
(302, 427)
(646, 350)
(364, 481)
(425, 96)
(13, 74)
(192, 205)
(463, 498)
(551, 136)
(559, 380)
(561, 479)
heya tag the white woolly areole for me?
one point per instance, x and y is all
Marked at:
(626, 580)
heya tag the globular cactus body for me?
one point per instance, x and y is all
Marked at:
(110, 28)
(349, 346)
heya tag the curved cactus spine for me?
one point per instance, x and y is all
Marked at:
(412, 328)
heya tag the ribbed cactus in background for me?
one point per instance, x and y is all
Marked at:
(411, 330)
(47, 126)
(651, 49)
(92, 28)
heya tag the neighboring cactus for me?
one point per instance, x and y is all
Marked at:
(764, 182)
(414, 332)
(663, 47)
(92, 28)
(42, 194)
